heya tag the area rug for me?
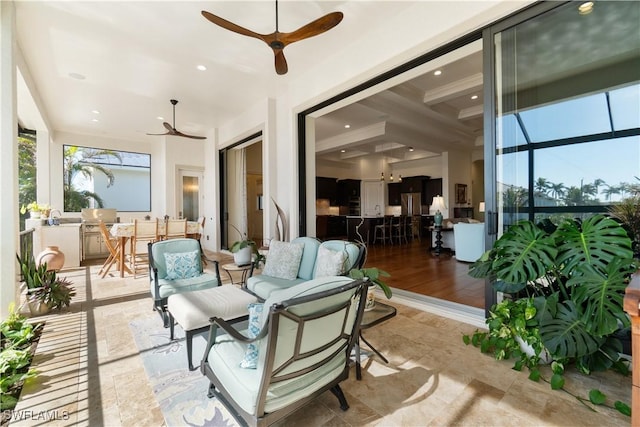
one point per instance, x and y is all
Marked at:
(181, 394)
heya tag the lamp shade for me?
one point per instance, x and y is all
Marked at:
(481, 207)
(437, 204)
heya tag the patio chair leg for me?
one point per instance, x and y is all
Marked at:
(337, 391)
(212, 391)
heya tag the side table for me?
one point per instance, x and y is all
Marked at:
(438, 249)
(243, 269)
(378, 314)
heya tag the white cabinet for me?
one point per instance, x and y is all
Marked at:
(65, 236)
(373, 196)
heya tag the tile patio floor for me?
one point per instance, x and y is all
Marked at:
(92, 375)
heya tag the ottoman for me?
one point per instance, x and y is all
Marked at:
(192, 310)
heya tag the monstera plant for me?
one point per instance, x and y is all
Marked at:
(575, 274)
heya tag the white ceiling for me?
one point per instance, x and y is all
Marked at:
(136, 56)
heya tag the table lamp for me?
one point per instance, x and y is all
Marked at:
(437, 204)
(481, 207)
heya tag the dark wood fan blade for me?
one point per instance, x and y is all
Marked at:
(168, 127)
(231, 26)
(313, 28)
(178, 133)
(281, 62)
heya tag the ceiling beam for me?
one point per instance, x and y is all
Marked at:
(453, 90)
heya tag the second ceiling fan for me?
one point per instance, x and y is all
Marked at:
(171, 129)
(277, 40)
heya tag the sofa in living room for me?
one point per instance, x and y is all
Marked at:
(466, 239)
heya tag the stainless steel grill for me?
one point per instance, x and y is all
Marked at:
(93, 245)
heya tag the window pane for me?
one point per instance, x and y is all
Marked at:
(587, 174)
(577, 117)
(102, 178)
(625, 107)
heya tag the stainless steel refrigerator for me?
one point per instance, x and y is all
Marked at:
(411, 204)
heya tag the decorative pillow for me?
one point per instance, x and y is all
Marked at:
(250, 359)
(329, 263)
(283, 260)
(182, 265)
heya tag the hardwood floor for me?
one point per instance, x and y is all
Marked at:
(414, 268)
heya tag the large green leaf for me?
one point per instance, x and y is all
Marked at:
(523, 254)
(596, 241)
(565, 335)
(599, 294)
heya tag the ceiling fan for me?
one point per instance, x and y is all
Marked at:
(277, 40)
(171, 130)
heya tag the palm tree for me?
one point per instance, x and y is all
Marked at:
(597, 183)
(611, 190)
(84, 161)
(557, 190)
(541, 185)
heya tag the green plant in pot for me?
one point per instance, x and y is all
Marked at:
(44, 288)
(244, 249)
(374, 275)
(566, 285)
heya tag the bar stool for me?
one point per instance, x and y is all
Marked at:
(382, 231)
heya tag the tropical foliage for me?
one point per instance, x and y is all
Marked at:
(15, 356)
(564, 287)
(84, 161)
(558, 194)
(26, 171)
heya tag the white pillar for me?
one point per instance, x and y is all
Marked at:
(9, 219)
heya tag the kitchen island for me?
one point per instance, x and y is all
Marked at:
(365, 230)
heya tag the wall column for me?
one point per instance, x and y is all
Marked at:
(9, 219)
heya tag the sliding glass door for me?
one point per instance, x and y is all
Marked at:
(567, 112)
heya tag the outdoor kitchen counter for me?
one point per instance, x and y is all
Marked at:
(65, 236)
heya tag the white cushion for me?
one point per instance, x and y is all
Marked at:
(329, 263)
(192, 310)
(283, 260)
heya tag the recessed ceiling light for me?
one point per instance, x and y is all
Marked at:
(95, 111)
(77, 76)
(160, 118)
(474, 97)
(343, 151)
(94, 120)
(201, 68)
(437, 72)
(347, 126)
(410, 148)
(585, 8)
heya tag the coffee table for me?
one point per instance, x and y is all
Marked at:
(379, 313)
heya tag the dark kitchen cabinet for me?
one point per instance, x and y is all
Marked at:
(394, 191)
(327, 188)
(348, 190)
(413, 184)
(336, 227)
(431, 188)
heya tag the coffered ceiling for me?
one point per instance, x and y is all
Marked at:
(439, 110)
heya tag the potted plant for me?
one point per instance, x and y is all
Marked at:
(243, 249)
(566, 283)
(36, 210)
(373, 274)
(44, 288)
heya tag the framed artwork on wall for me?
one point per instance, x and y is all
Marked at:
(461, 193)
